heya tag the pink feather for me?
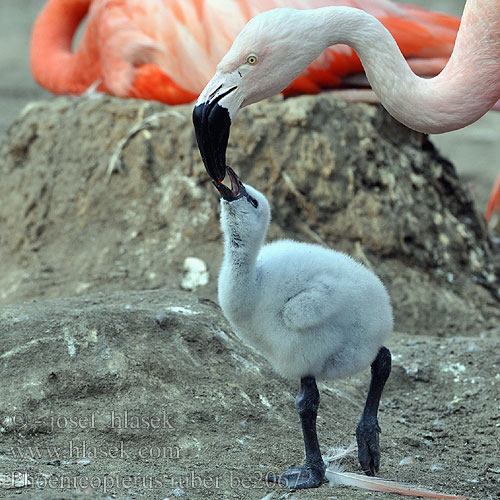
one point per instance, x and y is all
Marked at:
(337, 477)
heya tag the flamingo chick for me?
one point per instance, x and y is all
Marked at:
(314, 313)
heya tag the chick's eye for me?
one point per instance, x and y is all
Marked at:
(252, 59)
(253, 201)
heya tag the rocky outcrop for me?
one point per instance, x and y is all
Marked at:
(344, 175)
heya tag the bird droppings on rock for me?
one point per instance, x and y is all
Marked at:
(265, 401)
(182, 310)
(407, 461)
(456, 369)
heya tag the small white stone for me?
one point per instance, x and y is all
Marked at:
(178, 492)
(182, 310)
(265, 401)
(196, 274)
(407, 461)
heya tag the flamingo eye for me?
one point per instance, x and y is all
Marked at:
(252, 59)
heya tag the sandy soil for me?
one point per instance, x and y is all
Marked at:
(232, 420)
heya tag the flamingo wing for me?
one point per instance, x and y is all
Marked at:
(425, 38)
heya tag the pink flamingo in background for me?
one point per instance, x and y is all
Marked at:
(494, 202)
(168, 50)
(277, 46)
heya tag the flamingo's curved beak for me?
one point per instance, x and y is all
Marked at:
(213, 113)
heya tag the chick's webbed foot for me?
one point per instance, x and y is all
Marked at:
(367, 433)
(300, 477)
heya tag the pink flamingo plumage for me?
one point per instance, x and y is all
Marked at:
(494, 201)
(168, 50)
(276, 46)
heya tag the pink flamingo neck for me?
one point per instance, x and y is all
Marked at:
(53, 64)
(466, 89)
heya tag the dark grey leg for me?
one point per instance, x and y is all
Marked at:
(368, 429)
(312, 474)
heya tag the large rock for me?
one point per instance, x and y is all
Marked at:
(167, 402)
(345, 175)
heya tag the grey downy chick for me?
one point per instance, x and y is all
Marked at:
(313, 312)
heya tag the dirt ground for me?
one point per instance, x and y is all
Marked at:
(342, 175)
(101, 410)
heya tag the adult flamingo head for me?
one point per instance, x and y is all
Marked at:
(267, 55)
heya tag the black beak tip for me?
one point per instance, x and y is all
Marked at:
(212, 124)
(237, 189)
(224, 191)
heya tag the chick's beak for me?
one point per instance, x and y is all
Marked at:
(237, 188)
(212, 123)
